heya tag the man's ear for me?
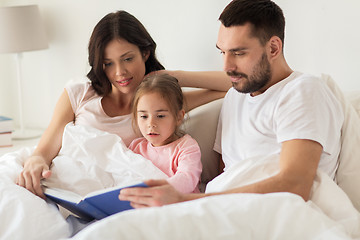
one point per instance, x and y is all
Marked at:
(275, 47)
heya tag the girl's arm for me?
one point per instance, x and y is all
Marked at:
(37, 165)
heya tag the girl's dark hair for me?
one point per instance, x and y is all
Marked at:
(118, 25)
(266, 18)
(168, 88)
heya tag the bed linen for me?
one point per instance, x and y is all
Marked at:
(89, 160)
(328, 215)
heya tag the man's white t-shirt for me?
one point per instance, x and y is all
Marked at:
(298, 107)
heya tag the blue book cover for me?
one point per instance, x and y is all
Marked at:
(6, 124)
(97, 205)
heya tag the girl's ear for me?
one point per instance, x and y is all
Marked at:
(181, 115)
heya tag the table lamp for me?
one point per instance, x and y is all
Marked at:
(21, 30)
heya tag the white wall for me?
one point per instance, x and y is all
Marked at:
(321, 36)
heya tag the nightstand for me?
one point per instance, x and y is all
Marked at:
(18, 144)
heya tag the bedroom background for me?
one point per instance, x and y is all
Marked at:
(321, 37)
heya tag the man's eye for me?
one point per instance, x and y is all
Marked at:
(239, 53)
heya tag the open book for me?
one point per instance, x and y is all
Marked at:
(95, 205)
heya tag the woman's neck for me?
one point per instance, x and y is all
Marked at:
(117, 104)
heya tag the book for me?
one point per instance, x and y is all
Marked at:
(95, 205)
(5, 139)
(6, 124)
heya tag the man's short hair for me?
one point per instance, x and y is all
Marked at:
(266, 18)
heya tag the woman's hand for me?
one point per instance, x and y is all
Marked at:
(35, 169)
(159, 193)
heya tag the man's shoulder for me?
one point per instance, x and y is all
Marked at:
(304, 80)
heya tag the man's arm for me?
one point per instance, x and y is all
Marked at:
(299, 161)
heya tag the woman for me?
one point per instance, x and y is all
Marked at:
(121, 53)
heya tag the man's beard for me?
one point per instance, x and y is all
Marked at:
(260, 76)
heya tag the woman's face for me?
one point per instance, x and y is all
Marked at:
(124, 65)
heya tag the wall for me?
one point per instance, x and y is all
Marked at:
(320, 37)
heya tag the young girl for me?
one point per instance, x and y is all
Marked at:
(158, 111)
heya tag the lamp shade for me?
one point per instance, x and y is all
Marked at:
(21, 29)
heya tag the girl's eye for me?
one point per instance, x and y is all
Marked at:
(143, 116)
(160, 116)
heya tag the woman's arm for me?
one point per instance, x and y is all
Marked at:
(212, 80)
(214, 85)
(195, 98)
(37, 165)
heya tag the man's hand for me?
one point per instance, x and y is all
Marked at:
(159, 193)
(35, 169)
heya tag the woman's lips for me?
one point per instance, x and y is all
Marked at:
(124, 82)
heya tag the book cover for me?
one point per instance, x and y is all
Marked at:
(6, 124)
(5, 139)
(95, 205)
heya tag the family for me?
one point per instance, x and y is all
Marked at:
(268, 108)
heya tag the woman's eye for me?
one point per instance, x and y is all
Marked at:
(107, 64)
(128, 59)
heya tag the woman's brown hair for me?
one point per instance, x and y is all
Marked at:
(118, 25)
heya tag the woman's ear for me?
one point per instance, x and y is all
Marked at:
(146, 55)
(181, 116)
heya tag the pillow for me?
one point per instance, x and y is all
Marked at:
(201, 123)
(348, 173)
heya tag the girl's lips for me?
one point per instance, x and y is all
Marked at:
(153, 134)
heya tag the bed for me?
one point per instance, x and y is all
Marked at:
(89, 160)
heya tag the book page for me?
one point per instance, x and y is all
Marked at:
(63, 194)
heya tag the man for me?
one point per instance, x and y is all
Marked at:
(270, 110)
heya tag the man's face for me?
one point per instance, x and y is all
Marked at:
(245, 59)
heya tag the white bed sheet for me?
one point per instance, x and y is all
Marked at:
(328, 215)
(89, 160)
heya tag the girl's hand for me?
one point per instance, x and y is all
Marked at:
(35, 169)
(159, 193)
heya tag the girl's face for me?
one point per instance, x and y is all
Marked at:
(155, 120)
(124, 65)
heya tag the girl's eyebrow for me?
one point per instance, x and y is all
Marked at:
(160, 110)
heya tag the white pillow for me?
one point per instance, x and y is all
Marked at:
(348, 173)
(201, 124)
